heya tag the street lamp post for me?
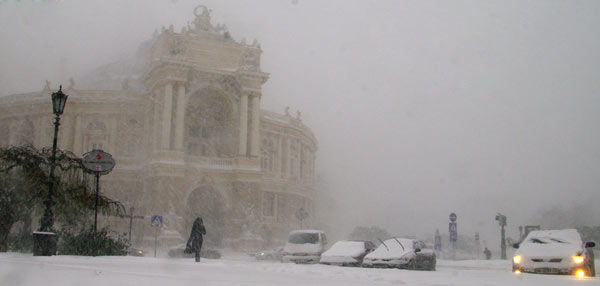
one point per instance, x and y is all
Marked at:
(45, 239)
(502, 222)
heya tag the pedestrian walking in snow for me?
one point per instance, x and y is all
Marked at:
(488, 253)
(194, 243)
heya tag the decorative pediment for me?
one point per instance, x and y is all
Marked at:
(229, 84)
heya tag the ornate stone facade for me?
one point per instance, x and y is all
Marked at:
(189, 139)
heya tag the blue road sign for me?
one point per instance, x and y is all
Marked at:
(477, 236)
(453, 217)
(156, 221)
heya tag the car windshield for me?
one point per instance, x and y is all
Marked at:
(301, 238)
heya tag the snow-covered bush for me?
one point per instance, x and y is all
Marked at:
(86, 242)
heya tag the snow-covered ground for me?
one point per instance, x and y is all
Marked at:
(238, 269)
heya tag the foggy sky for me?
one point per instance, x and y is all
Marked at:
(421, 108)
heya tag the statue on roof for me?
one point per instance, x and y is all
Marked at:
(202, 21)
(71, 84)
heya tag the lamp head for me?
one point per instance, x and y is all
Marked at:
(59, 99)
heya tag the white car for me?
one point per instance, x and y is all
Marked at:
(554, 252)
(271, 254)
(304, 246)
(401, 253)
(347, 253)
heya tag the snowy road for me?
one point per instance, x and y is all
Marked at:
(21, 269)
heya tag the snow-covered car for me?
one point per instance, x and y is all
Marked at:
(347, 253)
(304, 246)
(554, 252)
(179, 251)
(270, 254)
(401, 253)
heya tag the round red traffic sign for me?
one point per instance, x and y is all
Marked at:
(97, 161)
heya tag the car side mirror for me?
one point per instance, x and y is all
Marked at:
(516, 245)
(417, 250)
(590, 244)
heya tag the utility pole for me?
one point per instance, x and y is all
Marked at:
(502, 222)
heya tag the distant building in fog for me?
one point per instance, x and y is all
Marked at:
(184, 124)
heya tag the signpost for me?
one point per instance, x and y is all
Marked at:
(98, 163)
(477, 245)
(130, 216)
(156, 221)
(437, 242)
(453, 229)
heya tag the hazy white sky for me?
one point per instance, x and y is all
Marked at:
(421, 108)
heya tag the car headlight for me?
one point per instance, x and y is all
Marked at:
(578, 259)
(140, 252)
(517, 259)
(262, 254)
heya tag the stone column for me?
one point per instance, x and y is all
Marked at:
(78, 136)
(166, 118)
(277, 161)
(179, 116)
(112, 134)
(39, 132)
(156, 127)
(283, 158)
(254, 143)
(67, 132)
(243, 124)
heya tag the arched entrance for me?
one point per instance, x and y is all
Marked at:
(209, 204)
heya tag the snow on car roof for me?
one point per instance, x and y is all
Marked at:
(306, 231)
(391, 248)
(551, 243)
(564, 235)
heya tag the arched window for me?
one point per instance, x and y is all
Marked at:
(268, 205)
(209, 125)
(267, 155)
(96, 135)
(25, 135)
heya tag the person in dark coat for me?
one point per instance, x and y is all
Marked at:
(194, 243)
(488, 253)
